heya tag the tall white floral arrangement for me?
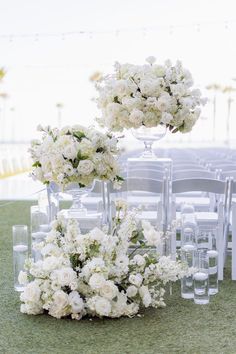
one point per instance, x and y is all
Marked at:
(149, 95)
(74, 155)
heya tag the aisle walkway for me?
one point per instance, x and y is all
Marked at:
(181, 327)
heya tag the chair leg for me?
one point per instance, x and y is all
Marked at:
(221, 253)
(233, 242)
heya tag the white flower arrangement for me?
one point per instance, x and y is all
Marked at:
(149, 95)
(74, 155)
(99, 274)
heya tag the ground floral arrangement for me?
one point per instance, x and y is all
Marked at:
(99, 273)
(75, 155)
(149, 95)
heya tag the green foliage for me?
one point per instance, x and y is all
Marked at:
(79, 135)
(37, 164)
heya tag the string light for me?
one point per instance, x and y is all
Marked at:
(115, 32)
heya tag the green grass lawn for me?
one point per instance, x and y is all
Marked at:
(181, 327)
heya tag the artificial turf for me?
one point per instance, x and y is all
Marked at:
(181, 327)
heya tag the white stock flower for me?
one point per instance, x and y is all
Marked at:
(145, 295)
(139, 260)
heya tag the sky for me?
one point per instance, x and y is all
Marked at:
(50, 48)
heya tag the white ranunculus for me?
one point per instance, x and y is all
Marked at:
(76, 302)
(97, 281)
(85, 167)
(102, 306)
(109, 290)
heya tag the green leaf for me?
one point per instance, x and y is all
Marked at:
(119, 178)
(37, 164)
(79, 135)
(80, 156)
(116, 100)
(100, 149)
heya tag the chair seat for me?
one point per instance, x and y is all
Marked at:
(203, 218)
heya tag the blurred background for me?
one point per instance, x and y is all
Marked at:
(50, 49)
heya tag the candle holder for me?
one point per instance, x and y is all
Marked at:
(20, 252)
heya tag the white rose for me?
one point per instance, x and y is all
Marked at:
(102, 306)
(151, 119)
(58, 308)
(166, 118)
(136, 279)
(31, 293)
(151, 60)
(153, 237)
(164, 102)
(76, 302)
(64, 276)
(123, 88)
(131, 291)
(159, 70)
(50, 263)
(109, 290)
(85, 167)
(68, 170)
(97, 281)
(136, 117)
(86, 147)
(178, 90)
